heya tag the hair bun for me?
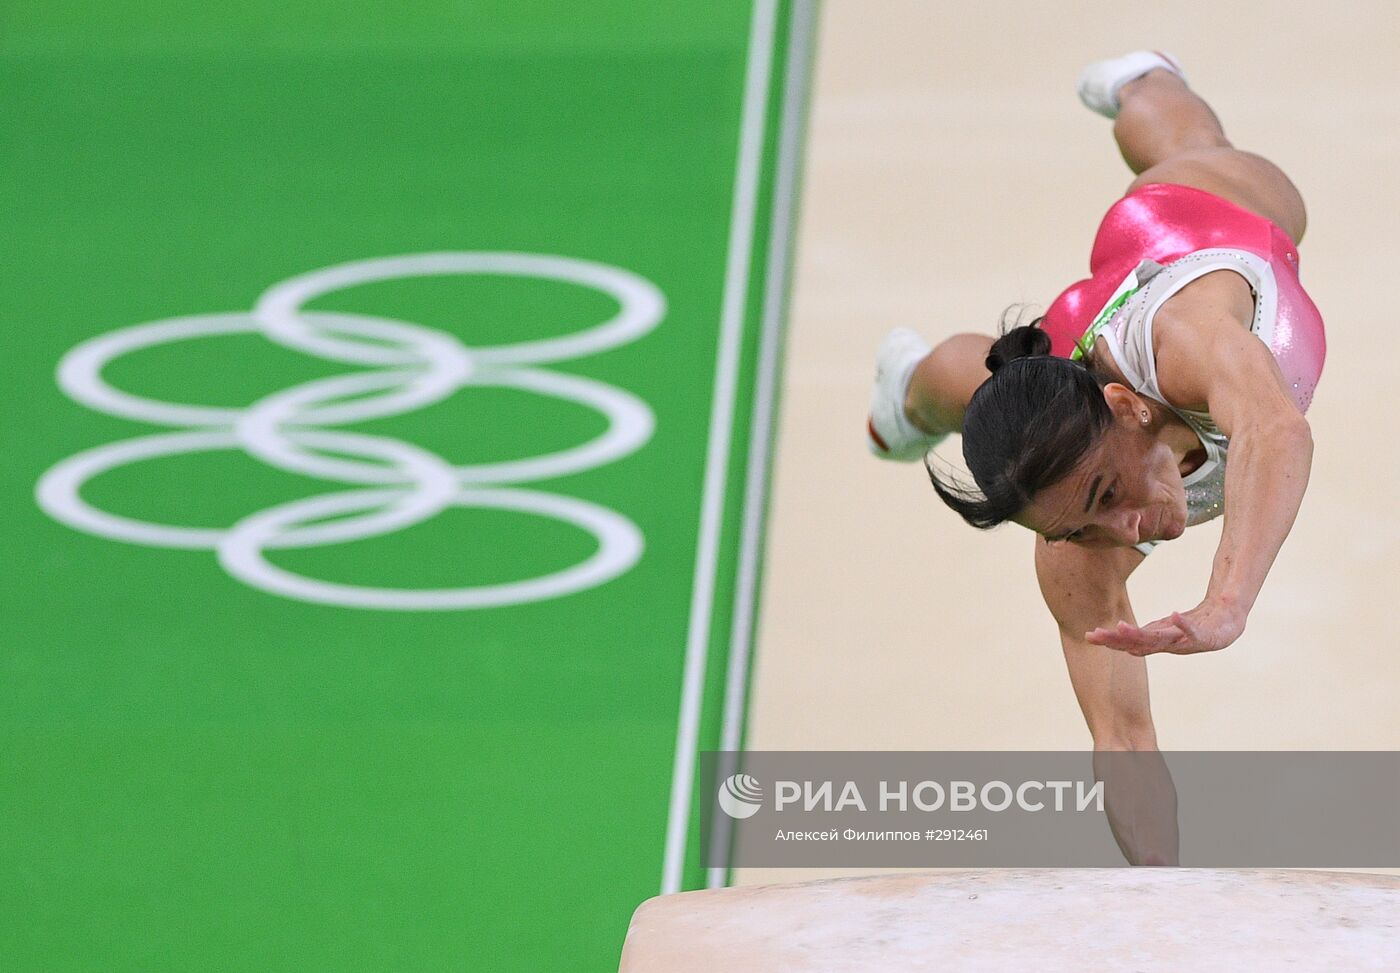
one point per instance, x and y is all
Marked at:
(1020, 342)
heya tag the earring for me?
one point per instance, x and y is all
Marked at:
(1145, 416)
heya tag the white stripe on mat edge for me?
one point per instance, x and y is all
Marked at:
(736, 278)
(775, 297)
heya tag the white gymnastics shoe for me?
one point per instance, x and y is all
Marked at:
(1099, 84)
(890, 433)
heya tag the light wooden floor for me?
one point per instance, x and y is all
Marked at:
(950, 172)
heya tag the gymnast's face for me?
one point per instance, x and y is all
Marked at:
(1126, 490)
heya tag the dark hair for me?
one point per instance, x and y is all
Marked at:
(1026, 427)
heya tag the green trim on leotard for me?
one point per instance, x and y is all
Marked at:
(1085, 343)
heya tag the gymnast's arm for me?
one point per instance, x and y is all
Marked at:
(1213, 359)
(1085, 588)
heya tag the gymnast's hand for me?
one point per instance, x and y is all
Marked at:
(1206, 628)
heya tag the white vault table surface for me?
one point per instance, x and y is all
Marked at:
(1137, 919)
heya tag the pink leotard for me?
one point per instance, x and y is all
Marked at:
(1164, 223)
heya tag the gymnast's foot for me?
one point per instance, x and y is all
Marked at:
(890, 432)
(1101, 81)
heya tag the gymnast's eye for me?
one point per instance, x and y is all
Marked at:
(1106, 496)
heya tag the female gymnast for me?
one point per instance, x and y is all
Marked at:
(1105, 426)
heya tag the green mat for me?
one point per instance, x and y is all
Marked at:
(421, 722)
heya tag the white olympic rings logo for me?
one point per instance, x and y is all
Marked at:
(405, 366)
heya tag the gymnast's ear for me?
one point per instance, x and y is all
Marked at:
(1125, 404)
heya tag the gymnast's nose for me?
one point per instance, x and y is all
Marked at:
(1126, 528)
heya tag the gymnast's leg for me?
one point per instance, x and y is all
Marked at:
(1168, 134)
(943, 382)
